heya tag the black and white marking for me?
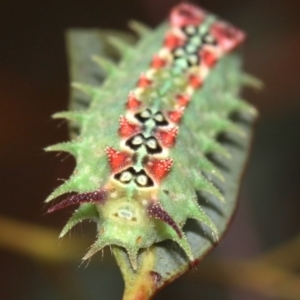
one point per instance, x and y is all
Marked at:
(140, 178)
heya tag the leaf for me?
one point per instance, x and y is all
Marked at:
(165, 261)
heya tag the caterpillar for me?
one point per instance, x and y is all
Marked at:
(142, 150)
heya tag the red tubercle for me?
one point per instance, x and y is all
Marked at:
(127, 129)
(159, 168)
(117, 159)
(186, 14)
(227, 36)
(132, 102)
(167, 137)
(182, 100)
(158, 62)
(175, 115)
(208, 57)
(172, 41)
(195, 81)
(156, 278)
(143, 81)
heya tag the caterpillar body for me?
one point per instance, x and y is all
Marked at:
(135, 174)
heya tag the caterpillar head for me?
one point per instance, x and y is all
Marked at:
(186, 14)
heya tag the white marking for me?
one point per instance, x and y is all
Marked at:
(209, 38)
(179, 52)
(137, 140)
(164, 53)
(114, 195)
(193, 59)
(138, 91)
(126, 176)
(150, 73)
(152, 144)
(145, 114)
(159, 118)
(190, 29)
(142, 179)
(189, 90)
(125, 214)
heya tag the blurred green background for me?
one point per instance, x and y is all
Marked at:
(34, 84)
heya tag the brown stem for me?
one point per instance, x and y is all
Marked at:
(139, 285)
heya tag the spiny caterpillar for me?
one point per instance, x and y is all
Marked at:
(142, 152)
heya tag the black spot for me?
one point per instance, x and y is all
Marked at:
(157, 117)
(166, 192)
(140, 178)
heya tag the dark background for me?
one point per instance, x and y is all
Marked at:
(34, 84)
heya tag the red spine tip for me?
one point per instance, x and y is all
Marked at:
(172, 41)
(175, 115)
(167, 137)
(127, 129)
(132, 102)
(117, 160)
(195, 81)
(144, 81)
(157, 62)
(159, 168)
(208, 58)
(183, 100)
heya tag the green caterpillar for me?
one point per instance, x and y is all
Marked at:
(142, 152)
